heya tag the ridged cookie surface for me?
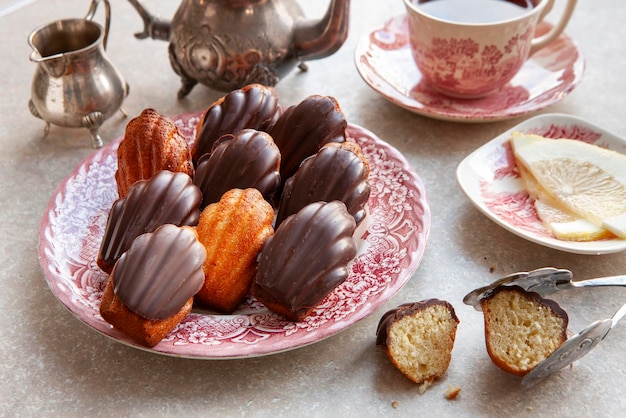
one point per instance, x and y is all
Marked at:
(306, 259)
(252, 107)
(166, 198)
(160, 271)
(304, 128)
(151, 143)
(233, 232)
(338, 171)
(246, 159)
(152, 285)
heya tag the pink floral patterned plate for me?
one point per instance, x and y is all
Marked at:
(489, 178)
(383, 58)
(391, 240)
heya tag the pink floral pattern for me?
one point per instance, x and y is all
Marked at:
(453, 60)
(489, 177)
(392, 37)
(384, 60)
(391, 240)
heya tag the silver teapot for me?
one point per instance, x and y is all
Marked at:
(227, 44)
(75, 85)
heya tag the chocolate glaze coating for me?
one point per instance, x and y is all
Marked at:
(334, 173)
(248, 159)
(305, 259)
(304, 128)
(160, 272)
(166, 198)
(407, 309)
(251, 107)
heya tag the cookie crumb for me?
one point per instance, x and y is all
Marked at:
(422, 388)
(530, 409)
(394, 404)
(452, 392)
(492, 268)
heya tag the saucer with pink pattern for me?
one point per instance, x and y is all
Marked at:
(384, 61)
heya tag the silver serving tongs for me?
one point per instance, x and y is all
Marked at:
(547, 281)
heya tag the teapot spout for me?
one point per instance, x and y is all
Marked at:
(154, 27)
(320, 39)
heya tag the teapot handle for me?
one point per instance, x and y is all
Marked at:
(107, 20)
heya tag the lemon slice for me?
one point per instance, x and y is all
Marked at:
(557, 219)
(581, 179)
(567, 227)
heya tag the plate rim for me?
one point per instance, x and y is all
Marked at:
(366, 309)
(466, 183)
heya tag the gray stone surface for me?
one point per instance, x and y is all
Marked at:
(53, 365)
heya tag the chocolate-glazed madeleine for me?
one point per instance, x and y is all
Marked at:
(304, 128)
(305, 259)
(522, 328)
(152, 285)
(166, 198)
(233, 232)
(338, 171)
(247, 159)
(252, 107)
(418, 338)
(151, 143)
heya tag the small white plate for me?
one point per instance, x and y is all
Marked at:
(384, 61)
(489, 178)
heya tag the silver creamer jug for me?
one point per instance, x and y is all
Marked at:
(75, 85)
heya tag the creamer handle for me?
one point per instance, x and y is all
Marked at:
(107, 18)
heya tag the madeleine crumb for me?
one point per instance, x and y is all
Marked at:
(394, 404)
(452, 392)
(425, 385)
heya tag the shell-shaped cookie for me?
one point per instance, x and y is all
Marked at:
(244, 160)
(160, 272)
(336, 172)
(166, 198)
(305, 259)
(304, 128)
(151, 143)
(252, 107)
(233, 232)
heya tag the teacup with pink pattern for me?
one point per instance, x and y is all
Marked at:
(472, 48)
